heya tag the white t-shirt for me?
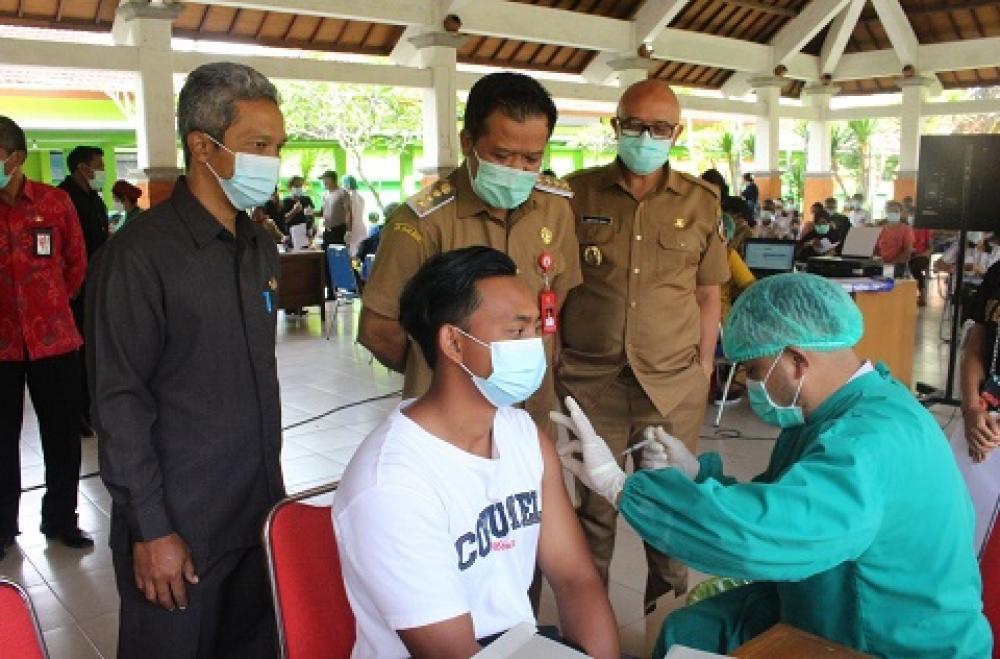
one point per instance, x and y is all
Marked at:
(427, 531)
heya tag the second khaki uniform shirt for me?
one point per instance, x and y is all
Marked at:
(449, 215)
(642, 261)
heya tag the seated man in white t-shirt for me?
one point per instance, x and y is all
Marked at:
(439, 517)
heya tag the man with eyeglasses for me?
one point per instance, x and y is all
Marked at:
(639, 335)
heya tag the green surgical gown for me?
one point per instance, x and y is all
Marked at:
(860, 530)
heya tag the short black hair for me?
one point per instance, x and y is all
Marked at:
(12, 136)
(716, 178)
(516, 95)
(81, 155)
(748, 176)
(444, 292)
(736, 206)
(330, 174)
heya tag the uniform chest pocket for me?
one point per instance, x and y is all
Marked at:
(678, 252)
(595, 233)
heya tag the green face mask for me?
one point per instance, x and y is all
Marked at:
(643, 155)
(499, 186)
(783, 416)
(822, 229)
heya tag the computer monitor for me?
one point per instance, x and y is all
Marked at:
(766, 256)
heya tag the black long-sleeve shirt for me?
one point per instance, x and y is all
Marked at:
(184, 379)
(93, 214)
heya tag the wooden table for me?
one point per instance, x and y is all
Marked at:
(302, 280)
(786, 642)
(890, 328)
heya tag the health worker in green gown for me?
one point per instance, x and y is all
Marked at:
(859, 531)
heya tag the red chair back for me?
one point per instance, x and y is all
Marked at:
(989, 569)
(313, 613)
(20, 635)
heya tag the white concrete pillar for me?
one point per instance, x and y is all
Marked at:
(914, 94)
(437, 51)
(147, 26)
(630, 70)
(766, 138)
(819, 157)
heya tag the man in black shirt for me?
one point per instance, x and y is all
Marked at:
(751, 194)
(981, 369)
(83, 184)
(839, 220)
(181, 326)
(298, 207)
(824, 239)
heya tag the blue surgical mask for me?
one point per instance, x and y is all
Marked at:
(253, 181)
(97, 183)
(892, 216)
(777, 415)
(643, 154)
(4, 176)
(822, 229)
(518, 370)
(499, 186)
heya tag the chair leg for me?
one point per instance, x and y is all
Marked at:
(725, 393)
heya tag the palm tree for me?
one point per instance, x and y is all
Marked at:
(839, 139)
(725, 146)
(862, 131)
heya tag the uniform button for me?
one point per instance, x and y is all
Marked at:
(635, 271)
(632, 304)
(638, 237)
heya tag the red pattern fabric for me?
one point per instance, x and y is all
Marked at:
(35, 317)
(922, 240)
(989, 569)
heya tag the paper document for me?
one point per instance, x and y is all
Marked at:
(523, 642)
(982, 479)
(681, 652)
(300, 236)
(825, 246)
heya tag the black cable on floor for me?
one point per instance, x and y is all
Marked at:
(288, 427)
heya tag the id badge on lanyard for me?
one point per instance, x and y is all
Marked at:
(42, 241)
(547, 301)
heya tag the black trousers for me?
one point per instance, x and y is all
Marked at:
(229, 613)
(334, 236)
(54, 386)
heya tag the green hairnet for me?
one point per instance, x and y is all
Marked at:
(800, 310)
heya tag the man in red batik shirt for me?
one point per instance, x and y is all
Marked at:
(42, 264)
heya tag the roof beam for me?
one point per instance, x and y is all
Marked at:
(931, 58)
(513, 20)
(839, 34)
(897, 27)
(396, 12)
(796, 33)
(651, 19)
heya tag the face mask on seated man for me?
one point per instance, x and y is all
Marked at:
(439, 515)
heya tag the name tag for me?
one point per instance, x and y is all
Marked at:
(596, 219)
(43, 242)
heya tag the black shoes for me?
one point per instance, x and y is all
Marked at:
(75, 538)
(5, 544)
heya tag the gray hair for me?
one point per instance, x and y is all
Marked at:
(12, 136)
(208, 99)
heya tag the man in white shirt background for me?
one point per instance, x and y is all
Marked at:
(439, 514)
(858, 216)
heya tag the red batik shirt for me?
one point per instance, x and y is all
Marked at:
(42, 264)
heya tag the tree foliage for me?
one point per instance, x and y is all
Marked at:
(357, 117)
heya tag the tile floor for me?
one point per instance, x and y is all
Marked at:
(74, 591)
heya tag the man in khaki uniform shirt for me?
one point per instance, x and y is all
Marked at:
(639, 335)
(508, 121)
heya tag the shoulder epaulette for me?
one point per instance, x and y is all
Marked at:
(434, 196)
(697, 180)
(554, 185)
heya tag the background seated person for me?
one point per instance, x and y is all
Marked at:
(439, 514)
(824, 239)
(298, 207)
(895, 242)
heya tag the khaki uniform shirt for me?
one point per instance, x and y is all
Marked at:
(641, 263)
(449, 215)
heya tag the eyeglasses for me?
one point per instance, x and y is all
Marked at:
(658, 130)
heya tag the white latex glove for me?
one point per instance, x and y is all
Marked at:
(667, 451)
(599, 470)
